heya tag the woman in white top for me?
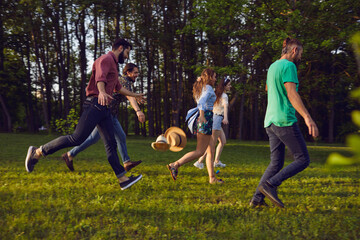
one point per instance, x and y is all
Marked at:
(220, 111)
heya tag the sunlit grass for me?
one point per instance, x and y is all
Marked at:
(54, 203)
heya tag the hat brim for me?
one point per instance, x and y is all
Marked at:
(162, 147)
(176, 148)
(181, 133)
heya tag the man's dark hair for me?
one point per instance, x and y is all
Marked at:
(129, 67)
(121, 42)
(289, 44)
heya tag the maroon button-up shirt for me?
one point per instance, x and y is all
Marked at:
(104, 70)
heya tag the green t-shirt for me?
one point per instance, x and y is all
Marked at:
(280, 111)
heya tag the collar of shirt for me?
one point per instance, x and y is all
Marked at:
(127, 78)
(113, 56)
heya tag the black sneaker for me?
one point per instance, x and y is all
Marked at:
(132, 180)
(270, 192)
(255, 204)
(30, 159)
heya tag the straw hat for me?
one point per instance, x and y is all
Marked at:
(161, 144)
(176, 137)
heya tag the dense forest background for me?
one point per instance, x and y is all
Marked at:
(47, 48)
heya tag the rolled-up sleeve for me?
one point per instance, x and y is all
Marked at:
(205, 95)
(102, 70)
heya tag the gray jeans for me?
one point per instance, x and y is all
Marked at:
(279, 137)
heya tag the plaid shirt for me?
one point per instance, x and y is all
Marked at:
(127, 83)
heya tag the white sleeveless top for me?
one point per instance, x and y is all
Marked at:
(219, 106)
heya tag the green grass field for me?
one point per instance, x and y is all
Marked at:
(54, 203)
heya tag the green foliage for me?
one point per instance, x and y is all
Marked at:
(67, 126)
(54, 203)
(353, 140)
(13, 90)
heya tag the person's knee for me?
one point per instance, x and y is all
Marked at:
(111, 146)
(199, 153)
(306, 162)
(303, 158)
(76, 140)
(276, 165)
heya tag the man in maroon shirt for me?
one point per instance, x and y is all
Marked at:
(103, 82)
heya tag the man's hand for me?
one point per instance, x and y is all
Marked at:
(313, 129)
(104, 98)
(141, 116)
(140, 98)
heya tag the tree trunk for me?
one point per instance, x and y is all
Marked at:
(2, 40)
(42, 85)
(149, 88)
(256, 116)
(166, 93)
(64, 75)
(150, 64)
(117, 19)
(29, 97)
(241, 117)
(140, 83)
(157, 102)
(68, 52)
(174, 97)
(95, 30)
(331, 113)
(80, 33)
(7, 116)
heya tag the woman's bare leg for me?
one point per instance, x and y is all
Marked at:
(202, 143)
(210, 155)
(201, 159)
(220, 146)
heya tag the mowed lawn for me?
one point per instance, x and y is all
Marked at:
(54, 203)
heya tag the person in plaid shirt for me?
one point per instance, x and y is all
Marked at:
(130, 73)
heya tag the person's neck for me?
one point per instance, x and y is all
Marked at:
(287, 57)
(116, 53)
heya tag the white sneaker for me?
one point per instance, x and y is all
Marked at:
(199, 165)
(219, 164)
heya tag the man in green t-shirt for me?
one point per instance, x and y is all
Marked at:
(281, 124)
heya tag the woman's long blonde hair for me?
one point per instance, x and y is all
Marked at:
(203, 80)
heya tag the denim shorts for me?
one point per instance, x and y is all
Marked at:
(217, 119)
(206, 127)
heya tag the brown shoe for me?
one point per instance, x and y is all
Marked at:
(129, 165)
(69, 163)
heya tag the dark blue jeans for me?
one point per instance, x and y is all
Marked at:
(93, 115)
(279, 137)
(94, 137)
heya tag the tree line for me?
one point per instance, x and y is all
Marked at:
(46, 47)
